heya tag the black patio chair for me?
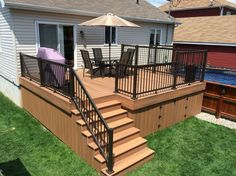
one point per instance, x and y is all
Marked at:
(88, 64)
(97, 53)
(124, 62)
(132, 51)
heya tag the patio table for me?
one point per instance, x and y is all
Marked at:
(107, 62)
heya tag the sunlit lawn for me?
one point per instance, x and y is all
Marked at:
(192, 147)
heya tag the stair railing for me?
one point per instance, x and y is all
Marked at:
(97, 126)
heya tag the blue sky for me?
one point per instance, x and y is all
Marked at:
(160, 2)
(157, 2)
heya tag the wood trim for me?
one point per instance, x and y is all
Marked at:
(54, 98)
(160, 97)
(228, 116)
(206, 109)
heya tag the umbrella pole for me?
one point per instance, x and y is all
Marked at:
(110, 57)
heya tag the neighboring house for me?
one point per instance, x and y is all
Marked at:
(26, 25)
(216, 34)
(195, 8)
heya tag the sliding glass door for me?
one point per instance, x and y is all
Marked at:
(48, 36)
(59, 37)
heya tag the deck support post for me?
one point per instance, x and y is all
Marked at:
(204, 66)
(110, 163)
(134, 96)
(116, 77)
(41, 71)
(72, 84)
(220, 103)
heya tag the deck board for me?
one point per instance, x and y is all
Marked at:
(98, 86)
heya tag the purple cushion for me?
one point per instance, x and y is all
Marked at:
(51, 54)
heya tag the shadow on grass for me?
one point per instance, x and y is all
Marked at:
(13, 168)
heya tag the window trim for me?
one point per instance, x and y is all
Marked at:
(156, 29)
(37, 23)
(112, 44)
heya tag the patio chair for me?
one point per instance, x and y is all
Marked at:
(132, 51)
(97, 53)
(124, 62)
(88, 64)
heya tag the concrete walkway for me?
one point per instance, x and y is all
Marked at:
(211, 118)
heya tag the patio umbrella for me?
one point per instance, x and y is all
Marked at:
(109, 20)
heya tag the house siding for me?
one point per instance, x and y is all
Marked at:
(24, 23)
(200, 12)
(8, 68)
(218, 56)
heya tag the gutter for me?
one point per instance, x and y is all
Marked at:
(23, 6)
(205, 43)
(197, 8)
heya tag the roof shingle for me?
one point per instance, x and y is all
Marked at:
(123, 8)
(215, 29)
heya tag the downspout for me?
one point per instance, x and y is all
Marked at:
(221, 11)
(2, 3)
(167, 33)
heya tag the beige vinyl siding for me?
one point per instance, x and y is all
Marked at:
(25, 32)
(7, 55)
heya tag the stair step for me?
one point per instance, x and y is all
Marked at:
(75, 112)
(118, 137)
(131, 162)
(116, 125)
(108, 104)
(114, 115)
(107, 115)
(125, 148)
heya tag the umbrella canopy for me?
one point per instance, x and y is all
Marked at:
(109, 20)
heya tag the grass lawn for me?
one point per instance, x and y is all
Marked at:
(32, 150)
(192, 147)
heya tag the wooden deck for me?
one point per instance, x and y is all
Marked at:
(98, 87)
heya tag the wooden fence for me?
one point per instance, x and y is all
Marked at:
(220, 99)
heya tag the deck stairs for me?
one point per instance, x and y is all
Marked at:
(129, 148)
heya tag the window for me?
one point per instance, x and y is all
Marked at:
(110, 35)
(155, 37)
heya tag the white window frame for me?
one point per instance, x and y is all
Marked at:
(113, 44)
(58, 47)
(156, 29)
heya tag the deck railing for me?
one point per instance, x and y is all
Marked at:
(49, 74)
(159, 68)
(63, 79)
(97, 126)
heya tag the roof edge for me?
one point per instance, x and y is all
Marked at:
(205, 43)
(23, 6)
(197, 8)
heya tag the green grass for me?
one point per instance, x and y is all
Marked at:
(192, 148)
(31, 150)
